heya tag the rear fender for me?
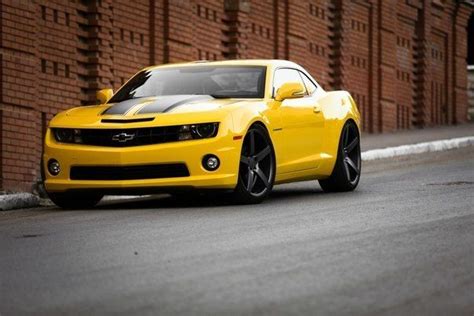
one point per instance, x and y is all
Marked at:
(337, 107)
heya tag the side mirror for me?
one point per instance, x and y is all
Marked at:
(104, 95)
(290, 90)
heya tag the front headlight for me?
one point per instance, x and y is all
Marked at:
(67, 135)
(204, 130)
(198, 131)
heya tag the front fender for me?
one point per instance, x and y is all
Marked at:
(264, 113)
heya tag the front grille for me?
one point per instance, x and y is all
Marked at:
(129, 172)
(130, 137)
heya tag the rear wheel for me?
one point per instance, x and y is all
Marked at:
(346, 173)
(257, 167)
(75, 200)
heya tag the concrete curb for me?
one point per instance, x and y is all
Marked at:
(25, 200)
(439, 145)
(18, 200)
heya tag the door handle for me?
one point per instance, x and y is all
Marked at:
(317, 109)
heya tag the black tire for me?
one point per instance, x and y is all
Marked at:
(346, 174)
(75, 200)
(257, 167)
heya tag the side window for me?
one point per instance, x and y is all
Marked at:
(285, 75)
(310, 86)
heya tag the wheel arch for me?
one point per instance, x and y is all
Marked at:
(350, 119)
(266, 126)
(259, 122)
(267, 130)
(343, 123)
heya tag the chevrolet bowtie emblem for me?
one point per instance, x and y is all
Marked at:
(123, 137)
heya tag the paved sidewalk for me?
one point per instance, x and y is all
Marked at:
(375, 141)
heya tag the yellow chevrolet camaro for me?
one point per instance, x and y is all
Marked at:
(240, 126)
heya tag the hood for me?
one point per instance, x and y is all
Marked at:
(162, 110)
(156, 105)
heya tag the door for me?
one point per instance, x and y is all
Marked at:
(302, 124)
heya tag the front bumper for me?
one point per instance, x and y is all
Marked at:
(188, 152)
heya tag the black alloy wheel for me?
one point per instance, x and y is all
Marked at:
(257, 167)
(351, 153)
(347, 170)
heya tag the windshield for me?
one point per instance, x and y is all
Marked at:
(216, 81)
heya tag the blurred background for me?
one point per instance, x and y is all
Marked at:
(404, 61)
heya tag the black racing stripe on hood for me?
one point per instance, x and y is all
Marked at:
(123, 107)
(159, 105)
(168, 103)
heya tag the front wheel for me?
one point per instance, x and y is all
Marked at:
(257, 167)
(75, 200)
(346, 173)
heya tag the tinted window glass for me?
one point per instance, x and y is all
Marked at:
(285, 75)
(310, 86)
(219, 82)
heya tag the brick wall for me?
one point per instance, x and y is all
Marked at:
(470, 93)
(404, 61)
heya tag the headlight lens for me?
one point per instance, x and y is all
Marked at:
(204, 130)
(198, 131)
(67, 135)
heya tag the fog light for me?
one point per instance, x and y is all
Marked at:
(210, 162)
(53, 167)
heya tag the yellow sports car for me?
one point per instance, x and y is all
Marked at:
(240, 126)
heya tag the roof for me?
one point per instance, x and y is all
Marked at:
(233, 62)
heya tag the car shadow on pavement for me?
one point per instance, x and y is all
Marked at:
(280, 194)
(294, 193)
(209, 200)
(164, 201)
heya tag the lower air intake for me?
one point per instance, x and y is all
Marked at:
(129, 172)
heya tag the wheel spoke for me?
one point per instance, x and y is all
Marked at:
(252, 143)
(244, 160)
(263, 177)
(250, 180)
(346, 136)
(346, 170)
(254, 180)
(351, 164)
(263, 153)
(352, 145)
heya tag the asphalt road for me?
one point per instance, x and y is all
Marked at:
(403, 243)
